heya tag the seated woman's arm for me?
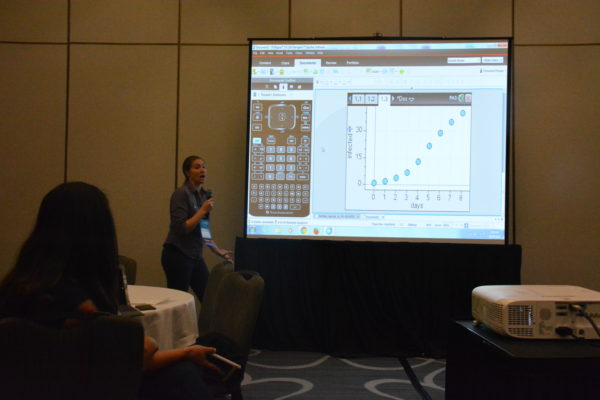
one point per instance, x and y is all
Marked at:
(155, 360)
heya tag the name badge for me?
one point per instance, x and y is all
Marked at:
(205, 232)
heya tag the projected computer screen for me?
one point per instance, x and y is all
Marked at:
(378, 139)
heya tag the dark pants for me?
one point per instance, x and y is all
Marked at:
(179, 381)
(184, 272)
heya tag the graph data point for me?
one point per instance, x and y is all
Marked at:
(373, 182)
(385, 181)
(429, 145)
(418, 161)
(451, 122)
(407, 172)
(440, 133)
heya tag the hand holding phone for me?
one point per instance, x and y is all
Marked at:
(229, 367)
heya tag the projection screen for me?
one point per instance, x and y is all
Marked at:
(378, 139)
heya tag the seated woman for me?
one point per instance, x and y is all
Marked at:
(68, 268)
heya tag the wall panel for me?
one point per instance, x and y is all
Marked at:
(33, 20)
(557, 164)
(32, 147)
(131, 21)
(232, 22)
(331, 18)
(557, 21)
(122, 138)
(456, 18)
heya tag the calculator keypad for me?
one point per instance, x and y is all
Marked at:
(280, 158)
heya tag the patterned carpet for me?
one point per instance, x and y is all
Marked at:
(278, 375)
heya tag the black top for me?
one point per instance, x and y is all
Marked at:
(51, 307)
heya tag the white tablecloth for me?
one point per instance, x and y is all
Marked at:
(174, 322)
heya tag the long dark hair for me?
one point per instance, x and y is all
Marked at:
(74, 237)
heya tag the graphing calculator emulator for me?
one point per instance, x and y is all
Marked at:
(280, 154)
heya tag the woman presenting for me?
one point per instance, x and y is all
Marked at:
(182, 258)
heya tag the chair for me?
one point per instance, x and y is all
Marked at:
(209, 300)
(239, 301)
(237, 298)
(99, 359)
(130, 266)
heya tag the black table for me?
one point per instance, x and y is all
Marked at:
(484, 365)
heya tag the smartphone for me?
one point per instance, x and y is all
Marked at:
(145, 307)
(227, 366)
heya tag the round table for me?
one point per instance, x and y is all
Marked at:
(174, 323)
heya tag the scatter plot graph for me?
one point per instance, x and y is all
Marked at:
(408, 155)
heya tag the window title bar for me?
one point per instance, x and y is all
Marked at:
(381, 46)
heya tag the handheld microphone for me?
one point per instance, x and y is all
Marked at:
(209, 195)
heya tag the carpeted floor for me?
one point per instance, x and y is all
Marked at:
(277, 375)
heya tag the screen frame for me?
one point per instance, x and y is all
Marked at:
(508, 132)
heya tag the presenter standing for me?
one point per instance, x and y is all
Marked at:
(189, 230)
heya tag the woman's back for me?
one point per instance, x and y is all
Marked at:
(70, 255)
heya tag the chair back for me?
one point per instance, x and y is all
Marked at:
(99, 359)
(209, 301)
(130, 267)
(238, 303)
(227, 319)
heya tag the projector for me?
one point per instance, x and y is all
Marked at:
(538, 311)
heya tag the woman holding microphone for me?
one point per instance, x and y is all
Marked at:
(190, 205)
